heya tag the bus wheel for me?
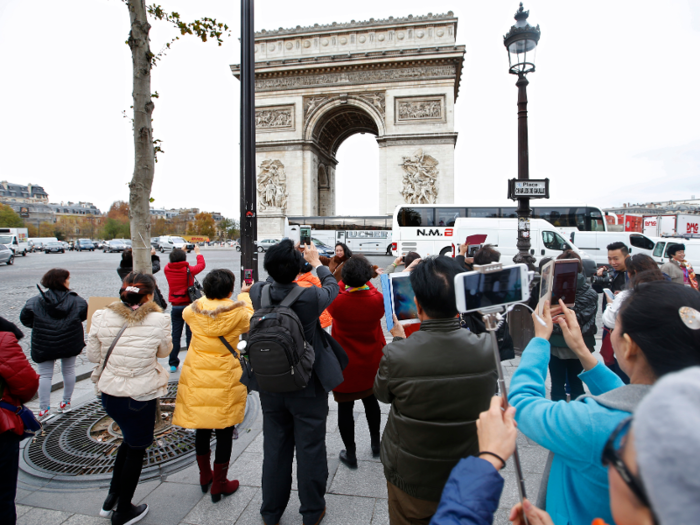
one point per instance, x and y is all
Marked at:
(446, 250)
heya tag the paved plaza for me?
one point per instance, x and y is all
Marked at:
(354, 496)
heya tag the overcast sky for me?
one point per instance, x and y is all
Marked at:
(614, 111)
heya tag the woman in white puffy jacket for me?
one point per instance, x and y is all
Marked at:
(130, 382)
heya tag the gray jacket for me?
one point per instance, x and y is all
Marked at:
(674, 271)
(438, 381)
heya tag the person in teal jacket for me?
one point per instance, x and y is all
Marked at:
(650, 339)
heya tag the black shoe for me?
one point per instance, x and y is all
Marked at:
(128, 517)
(109, 504)
(375, 447)
(349, 458)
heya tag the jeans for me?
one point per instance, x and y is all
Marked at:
(178, 323)
(346, 422)
(9, 466)
(224, 443)
(559, 369)
(46, 376)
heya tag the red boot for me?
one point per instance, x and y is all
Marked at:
(221, 485)
(205, 474)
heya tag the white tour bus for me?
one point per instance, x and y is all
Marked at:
(428, 229)
(371, 235)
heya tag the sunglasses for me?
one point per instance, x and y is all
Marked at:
(612, 456)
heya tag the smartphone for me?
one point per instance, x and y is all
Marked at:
(609, 293)
(248, 276)
(305, 235)
(472, 249)
(403, 303)
(564, 282)
(476, 291)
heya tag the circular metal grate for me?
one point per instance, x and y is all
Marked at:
(82, 445)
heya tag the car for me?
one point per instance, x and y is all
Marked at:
(167, 243)
(54, 247)
(7, 256)
(127, 242)
(266, 244)
(84, 244)
(154, 242)
(115, 245)
(323, 249)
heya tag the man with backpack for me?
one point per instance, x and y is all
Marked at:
(295, 406)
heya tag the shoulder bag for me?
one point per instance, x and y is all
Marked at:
(29, 421)
(195, 291)
(111, 348)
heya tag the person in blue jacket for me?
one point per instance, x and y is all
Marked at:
(649, 340)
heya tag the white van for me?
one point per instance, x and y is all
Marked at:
(167, 243)
(692, 250)
(596, 244)
(16, 239)
(545, 239)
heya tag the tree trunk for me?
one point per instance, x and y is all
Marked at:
(144, 158)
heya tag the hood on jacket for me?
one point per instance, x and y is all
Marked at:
(215, 317)
(137, 316)
(581, 283)
(55, 302)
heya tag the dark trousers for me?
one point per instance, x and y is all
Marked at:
(178, 323)
(346, 422)
(563, 371)
(9, 466)
(224, 443)
(289, 422)
(126, 473)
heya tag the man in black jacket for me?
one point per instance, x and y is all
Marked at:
(299, 418)
(616, 278)
(438, 381)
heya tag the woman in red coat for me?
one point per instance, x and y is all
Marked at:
(19, 383)
(357, 314)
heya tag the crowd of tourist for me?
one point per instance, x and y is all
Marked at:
(621, 431)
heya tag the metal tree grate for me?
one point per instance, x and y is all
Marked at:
(67, 447)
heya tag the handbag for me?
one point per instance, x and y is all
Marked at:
(195, 291)
(29, 421)
(247, 376)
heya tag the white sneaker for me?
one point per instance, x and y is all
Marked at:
(64, 407)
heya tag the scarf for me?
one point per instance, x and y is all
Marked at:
(356, 289)
(689, 274)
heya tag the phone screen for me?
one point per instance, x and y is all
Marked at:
(403, 298)
(248, 276)
(304, 235)
(609, 293)
(564, 283)
(492, 289)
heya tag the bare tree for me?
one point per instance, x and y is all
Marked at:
(145, 146)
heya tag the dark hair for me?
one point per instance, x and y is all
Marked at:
(543, 261)
(218, 284)
(570, 254)
(619, 246)
(145, 283)
(356, 271)
(433, 282)
(652, 319)
(55, 279)
(642, 269)
(127, 258)
(410, 257)
(305, 267)
(346, 250)
(283, 261)
(675, 248)
(487, 254)
(178, 255)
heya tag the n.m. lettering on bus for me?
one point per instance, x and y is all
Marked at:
(435, 232)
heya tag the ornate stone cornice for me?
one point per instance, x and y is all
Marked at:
(417, 139)
(363, 24)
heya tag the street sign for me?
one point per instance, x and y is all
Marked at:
(532, 189)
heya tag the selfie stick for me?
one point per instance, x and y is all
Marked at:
(492, 320)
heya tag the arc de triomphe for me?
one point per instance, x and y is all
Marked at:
(397, 79)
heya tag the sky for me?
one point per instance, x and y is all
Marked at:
(613, 105)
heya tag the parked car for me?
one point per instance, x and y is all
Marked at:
(323, 249)
(266, 244)
(7, 256)
(167, 243)
(100, 245)
(115, 245)
(54, 247)
(84, 244)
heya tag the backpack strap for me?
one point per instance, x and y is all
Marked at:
(266, 299)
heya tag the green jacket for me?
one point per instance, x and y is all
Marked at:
(438, 381)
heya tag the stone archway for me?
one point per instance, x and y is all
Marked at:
(397, 79)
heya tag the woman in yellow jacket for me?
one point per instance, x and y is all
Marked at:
(210, 395)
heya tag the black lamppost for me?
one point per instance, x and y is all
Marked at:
(521, 43)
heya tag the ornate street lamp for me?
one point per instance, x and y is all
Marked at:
(521, 43)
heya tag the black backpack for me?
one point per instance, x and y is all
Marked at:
(279, 354)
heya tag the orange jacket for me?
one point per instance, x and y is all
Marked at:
(308, 280)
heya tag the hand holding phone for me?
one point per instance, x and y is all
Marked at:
(609, 294)
(248, 277)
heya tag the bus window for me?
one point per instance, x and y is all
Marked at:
(559, 217)
(659, 249)
(509, 213)
(640, 241)
(483, 212)
(447, 216)
(597, 220)
(554, 241)
(416, 217)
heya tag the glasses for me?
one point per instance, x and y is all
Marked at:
(612, 456)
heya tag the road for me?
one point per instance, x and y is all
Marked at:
(94, 274)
